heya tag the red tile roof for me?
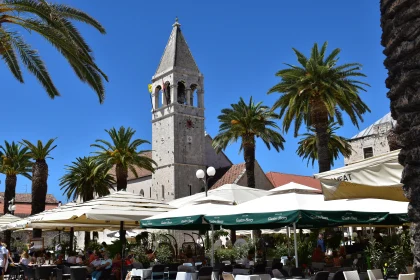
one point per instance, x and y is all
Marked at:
(27, 198)
(140, 171)
(230, 176)
(280, 179)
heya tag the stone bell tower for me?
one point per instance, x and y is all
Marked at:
(177, 121)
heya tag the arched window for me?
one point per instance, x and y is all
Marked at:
(182, 98)
(163, 192)
(142, 193)
(190, 187)
(193, 92)
(167, 93)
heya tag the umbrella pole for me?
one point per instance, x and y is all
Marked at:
(212, 244)
(122, 239)
(296, 252)
(71, 238)
(288, 240)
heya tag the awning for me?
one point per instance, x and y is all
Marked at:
(376, 177)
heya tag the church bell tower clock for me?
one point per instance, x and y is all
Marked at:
(177, 121)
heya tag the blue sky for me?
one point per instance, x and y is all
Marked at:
(238, 46)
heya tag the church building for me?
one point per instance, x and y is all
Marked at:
(180, 144)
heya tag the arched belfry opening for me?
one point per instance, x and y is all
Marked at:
(182, 95)
(157, 98)
(167, 93)
(193, 88)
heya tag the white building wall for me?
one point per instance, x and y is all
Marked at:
(261, 180)
(141, 184)
(377, 140)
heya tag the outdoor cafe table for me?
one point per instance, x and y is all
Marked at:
(143, 273)
(253, 277)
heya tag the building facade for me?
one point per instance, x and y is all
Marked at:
(371, 141)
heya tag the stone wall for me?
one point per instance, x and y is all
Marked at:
(141, 184)
(212, 158)
(377, 140)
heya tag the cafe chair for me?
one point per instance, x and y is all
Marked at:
(172, 271)
(339, 275)
(28, 272)
(351, 275)
(77, 273)
(228, 276)
(157, 272)
(296, 272)
(205, 273)
(409, 276)
(322, 275)
(43, 272)
(375, 274)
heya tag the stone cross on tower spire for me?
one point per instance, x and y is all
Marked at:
(177, 54)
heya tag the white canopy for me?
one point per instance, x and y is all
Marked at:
(293, 187)
(230, 192)
(107, 211)
(376, 177)
(8, 218)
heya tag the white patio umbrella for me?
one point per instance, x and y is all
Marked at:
(375, 177)
(231, 192)
(7, 219)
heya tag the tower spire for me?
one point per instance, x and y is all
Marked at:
(177, 54)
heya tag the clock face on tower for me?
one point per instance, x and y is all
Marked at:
(189, 124)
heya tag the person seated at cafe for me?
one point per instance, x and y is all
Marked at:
(342, 252)
(337, 259)
(116, 266)
(59, 260)
(150, 255)
(92, 257)
(106, 264)
(79, 258)
(24, 258)
(48, 258)
(318, 255)
(95, 263)
(72, 258)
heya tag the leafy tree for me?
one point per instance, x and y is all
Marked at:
(14, 161)
(337, 145)
(400, 23)
(54, 23)
(85, 178)
(317, 92)
(123, 152)
(39, 153)
(247, 122)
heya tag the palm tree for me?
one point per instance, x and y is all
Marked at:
(246, 122)
(15, 161)
(85, 178)
(123, 152)
(336, 145)
(54, 23)
(317, 92)
(39, 153)
(400, 37)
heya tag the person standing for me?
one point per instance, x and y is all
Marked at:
(321, 242)
(3, 260)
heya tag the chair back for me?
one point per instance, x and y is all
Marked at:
(277, 274)
(351, 275)
(409, 269)
(228, 276)
(66, 270)
(275, 261)
(318, 266)
(43, 272)
(259, 269)
(173, 266)
(409, 276)
(28, 272)
(14, 270)
(296, 272)
(158, 268)
(78, 273)
(375, 274)
(322, 275)
(59, 273)
(205, 273)
(184, 268)
(227, 268)
(339, 275)
(137, 265)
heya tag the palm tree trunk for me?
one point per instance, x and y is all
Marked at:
(249, 156)
(9, 193)
(122, 175)
(39, 190)
(400, 22)
(324, 160)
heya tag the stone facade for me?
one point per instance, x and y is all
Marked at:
(261, 180)
(371, 141)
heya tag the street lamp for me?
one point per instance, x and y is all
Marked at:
(201, 175)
